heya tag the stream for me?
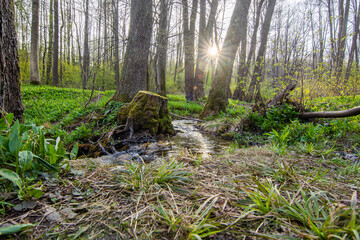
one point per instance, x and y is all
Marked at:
(188, 138)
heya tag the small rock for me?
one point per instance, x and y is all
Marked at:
(68, 213)
(52, 215)
(25, 205)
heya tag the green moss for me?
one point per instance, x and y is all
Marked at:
(148, 112)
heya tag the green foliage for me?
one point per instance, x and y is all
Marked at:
(312, 214)
(45, 104)
(178, 105)
(276, 118)
(25, 152)
(160, 174)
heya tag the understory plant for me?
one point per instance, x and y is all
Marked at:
(25, 153)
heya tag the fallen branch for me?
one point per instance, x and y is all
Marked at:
(331, 114)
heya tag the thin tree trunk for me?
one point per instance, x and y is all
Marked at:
(86, 59)
(34, 54)
(189, 39)
(205, 33)
(50, 47)
(56, 44)
(162, 47)
(116, 42)
(254, 88)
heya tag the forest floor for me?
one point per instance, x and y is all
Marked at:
(249, 193)
(299, 182)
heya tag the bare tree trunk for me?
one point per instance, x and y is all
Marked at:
(55, 71)
(116, 42)
(34, 54)
(189, 39)
(205, 33)
(354, 43)
(134, 71)
(86, 59)
(162, 47)
(244, 65)
(10, 99)
(51, 40)
(257, 73)
(218, 100)
(344, 15)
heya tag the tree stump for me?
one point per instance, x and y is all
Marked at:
(147, 112)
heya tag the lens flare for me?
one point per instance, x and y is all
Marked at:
(213, 51)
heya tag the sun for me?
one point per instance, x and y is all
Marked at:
(213, 51)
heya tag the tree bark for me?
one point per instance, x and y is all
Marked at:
(116, 42)
(331, 114)
(10, 99)
(218, 99)
(51, 40)
(254, 88)
(34, 54)
(134, 71)
(205, 33)
(55, 71)
(189, 42)
(162, 48)
(86, 59)
(343, 20)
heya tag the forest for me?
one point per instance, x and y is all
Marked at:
(191, 119)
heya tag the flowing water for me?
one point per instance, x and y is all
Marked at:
(188, 137)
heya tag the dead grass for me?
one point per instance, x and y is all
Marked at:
(214, 204)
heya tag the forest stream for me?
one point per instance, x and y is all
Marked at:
(188, 139)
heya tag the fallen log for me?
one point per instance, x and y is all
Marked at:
(331, 114)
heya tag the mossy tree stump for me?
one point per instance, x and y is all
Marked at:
(147, 112)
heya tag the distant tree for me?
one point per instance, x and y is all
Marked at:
(50, 42)
(205, 34)
(244, 64)
(86, 59)
(189, 44)
(254, 88)
(116, 42)
(162, 45)
(10, 98)
(34, 54)
(55, 72)
(218, 97)
(135, 66)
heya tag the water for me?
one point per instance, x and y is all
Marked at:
(187, 137)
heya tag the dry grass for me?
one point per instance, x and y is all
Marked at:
(113, 203)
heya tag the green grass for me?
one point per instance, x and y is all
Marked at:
(46, 104)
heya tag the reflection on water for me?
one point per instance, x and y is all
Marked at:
(189, 137)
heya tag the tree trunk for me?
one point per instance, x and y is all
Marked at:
(244, 64)
(354, 44)
(51, 40)
(343, 20)
(86, 59)
(10, 99)
(34, 54)
(254, 88)
(189, 39)
(162, 48)
(147, 112)
(205, 33)
(134, 71)
(116, 43)
(56, 44)
(218, 100)
(331, 114)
